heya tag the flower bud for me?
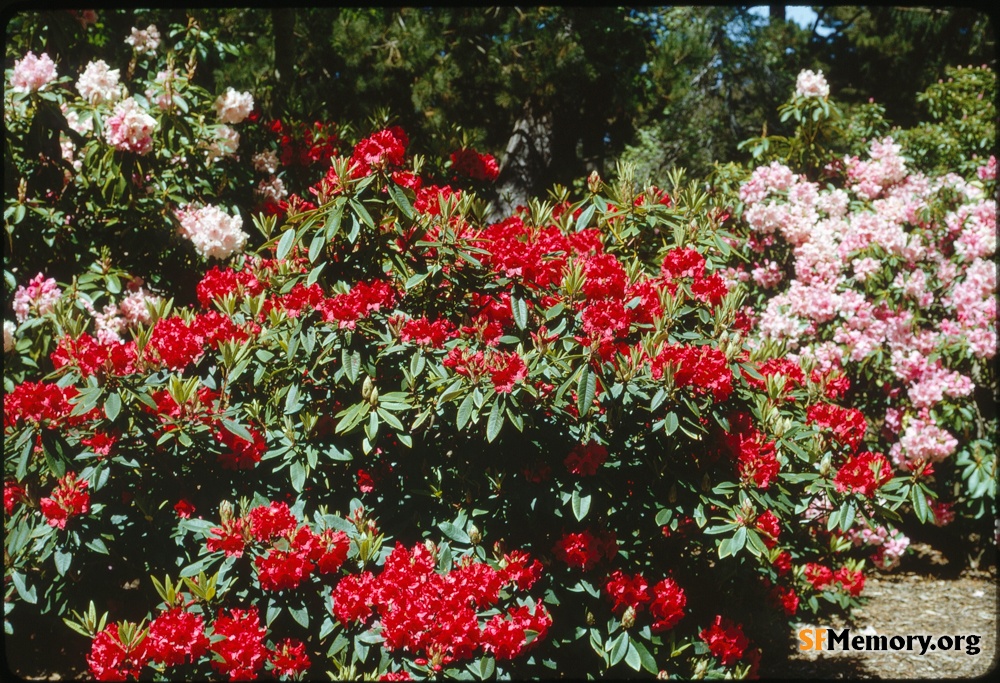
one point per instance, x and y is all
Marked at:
(628, 619)
(672, 494)
(474, 536)
(225, 511)
(594, 182)
(590, 618)
(366, 388)
(373, 399)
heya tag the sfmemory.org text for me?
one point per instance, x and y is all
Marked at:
(829, 639)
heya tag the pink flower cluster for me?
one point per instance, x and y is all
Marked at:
(130, 128)
(810, 84)
(98, 84)
(33, 73)
(232, 106)
(39, 297)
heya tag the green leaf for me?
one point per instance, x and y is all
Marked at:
(617, 649)
(586, 387)
(454, 533)
(585, 217)
(670, 423)
(297, 474)
(520, 310)
(919, 499)
(316, 246)
(400, 199)
(465, 412)
(648, 661)
(632, 657)
(285, 244)
(27, 595)
(495, 421)
(113, 405)
(580, 505)
(300, 615)
(237, 429)
(63, 559)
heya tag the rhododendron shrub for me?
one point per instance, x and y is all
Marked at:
(885, 275)
(399, 439)
(104, 157)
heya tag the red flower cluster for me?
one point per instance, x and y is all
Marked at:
(667, 607)
(472, 164)
(346, 309)
(69, 499)
(585, 459)
(307, 550)
(304, 145)
(785, 598)
(627, 591)
(864, 473)
(702, 367)
(429, 198)
(175, 342)
(423, 332)
(42, 405)
(725, 640)
(173, 636)
(13, 494)
(818, 575)
(790, 370)
(687, 263)
(241, 651)
(852, 582)
(756, 457)
(769, 527)
(289, 658)
(92, 357)
(238, 453)
(584, 550)
(218, 283)
(435, 615)
(383, 150)
(848, 424)
(109, 660)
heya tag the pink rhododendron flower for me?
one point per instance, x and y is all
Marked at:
(214, 233)
(810, 84)
(33, 73)
(98, 84)
(232, 106)
(130, 128)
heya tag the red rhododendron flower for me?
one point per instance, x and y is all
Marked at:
(819, 576)
(184, 508)
(505, 635)
(238, 453)
(627, 591)
(585, 459)
(848, 424)
(101, 443)
(519, 569)
(684, 262)
(425, 333)
(786, 599)
(69, 498)
(585, 549)
(281, 570)
(667, 606)
(382, 150)
(175, 343)
(175, 635)
(289, 658)
(783, 563)
(703, 367)
(853, 582)
(241, 650)
(43, 404)
(769, 528)
(756, 457)
(13, 494)
(725, 640)
(352, 598)
(863, 473)
(229, 538)
(506, 370)
(472, 164)
(267, 521)
(108, 660)
(790, 370)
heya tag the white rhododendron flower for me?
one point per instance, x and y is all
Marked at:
(144, 41)
(130, 128)
(810, 84)
(99, 84)
(214, 233)
(233, 107)
(33, 73)
(8, 336)
(224, 143)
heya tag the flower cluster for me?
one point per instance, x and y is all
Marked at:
(130, 128)
(33, 73)
(811, 84)
(232, 106)
(39, 297)
(469, 163)
(433, 615)
(584, 550)
(68, 499)
(214, 233)
(98, 84)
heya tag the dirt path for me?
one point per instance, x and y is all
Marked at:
(910, 603)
